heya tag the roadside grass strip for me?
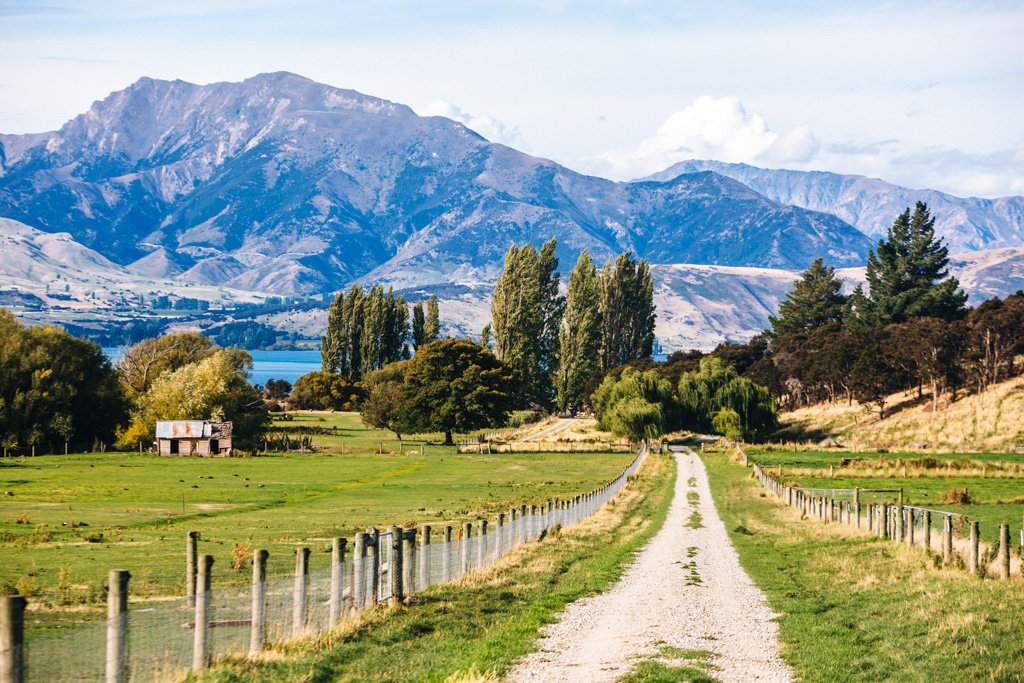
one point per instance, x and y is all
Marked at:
(853, 607)
(476, 628)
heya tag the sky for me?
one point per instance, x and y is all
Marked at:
(923, 94)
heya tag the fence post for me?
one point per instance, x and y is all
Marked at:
(1004, 551)
(12, 638)
(201, 641)
(947, 538)
(900, 524)
(425, 557)
(467, 531)
(375, 566)
(408, 566)
(927, 531)
(258, 613)
(885, 520)
(446, 558)
(395, 566)
(972, 557)
(910, 527)
(482, 544)
(191, 550)
(117, 626)
(359, 572)
(301, 583)
(337, 574)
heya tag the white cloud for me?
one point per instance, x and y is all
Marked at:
(712, 128)
(486, 125)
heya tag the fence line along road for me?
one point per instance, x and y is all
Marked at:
(905, 524)
(153, 641)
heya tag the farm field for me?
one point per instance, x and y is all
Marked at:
(994, 482)
(73, 518)
(853, 607)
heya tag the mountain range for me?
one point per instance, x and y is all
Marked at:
(281, 185)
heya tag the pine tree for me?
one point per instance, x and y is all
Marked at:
(432, 326)
(816, 300)
(627, 310)
(418, 326)
(579, 335)
(907, 275)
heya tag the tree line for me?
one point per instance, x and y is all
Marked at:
(909, 329)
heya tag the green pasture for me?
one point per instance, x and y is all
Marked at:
(70, 519)
(994, 500)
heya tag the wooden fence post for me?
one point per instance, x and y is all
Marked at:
(425, 557)
(482, 544)
(191, 550)
(117, 626)
(947, 538)
(972, 556)
(359, 572)
(337, 579)
(927, 531)
(408, 566)
(258, 612)
(12, 638)
(395, 566)
(900, 523)
(1004, 551)
(374, 543)
(446, 557)
(910, 526)
(467, 531)
(201, 641)
(301, 587)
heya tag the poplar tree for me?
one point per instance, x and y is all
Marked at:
(908, 273)
(627, 310)
(816, 300)
(365, 332)
(418, 326)
(517, 319)
(552, 308)
(432, 325)
(579, 335)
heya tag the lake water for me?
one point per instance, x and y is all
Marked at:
(289, 365)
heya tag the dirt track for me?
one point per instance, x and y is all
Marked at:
(686, 590)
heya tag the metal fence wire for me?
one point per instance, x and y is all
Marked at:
(159, 640)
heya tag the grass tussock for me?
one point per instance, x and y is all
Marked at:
(474, 629)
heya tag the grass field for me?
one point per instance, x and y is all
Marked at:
(995, 498)
(474, 629)
(73, 518)
(856, 608)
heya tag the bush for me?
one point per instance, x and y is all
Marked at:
(956, 496)
(325, 391)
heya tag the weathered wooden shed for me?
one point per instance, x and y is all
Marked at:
(193, 437)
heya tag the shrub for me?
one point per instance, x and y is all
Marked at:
(956, 496)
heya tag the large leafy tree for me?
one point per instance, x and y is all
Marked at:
(637, 404)
(325, 391)
(816, 300)
(55, 388)
(907, 274)
(382, 407)
(215, 388)
(717, 387)
(627, 311)
(580, 335)
(144, 363)
(454, 385)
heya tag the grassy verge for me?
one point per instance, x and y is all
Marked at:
(855, 608)
(486, 621)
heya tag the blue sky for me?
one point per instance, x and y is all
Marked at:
(923, 94)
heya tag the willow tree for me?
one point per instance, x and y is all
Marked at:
(716, 387)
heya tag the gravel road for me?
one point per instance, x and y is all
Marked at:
(685, 589)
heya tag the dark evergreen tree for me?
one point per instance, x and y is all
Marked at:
(907, 274)
(815, 300)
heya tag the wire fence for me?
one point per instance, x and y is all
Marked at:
(949, 535)
(159, 640)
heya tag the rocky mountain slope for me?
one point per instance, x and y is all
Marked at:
(966, 223)
(280, 184)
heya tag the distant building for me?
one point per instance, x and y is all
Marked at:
(193, 437)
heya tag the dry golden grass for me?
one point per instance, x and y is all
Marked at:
(990, 421)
